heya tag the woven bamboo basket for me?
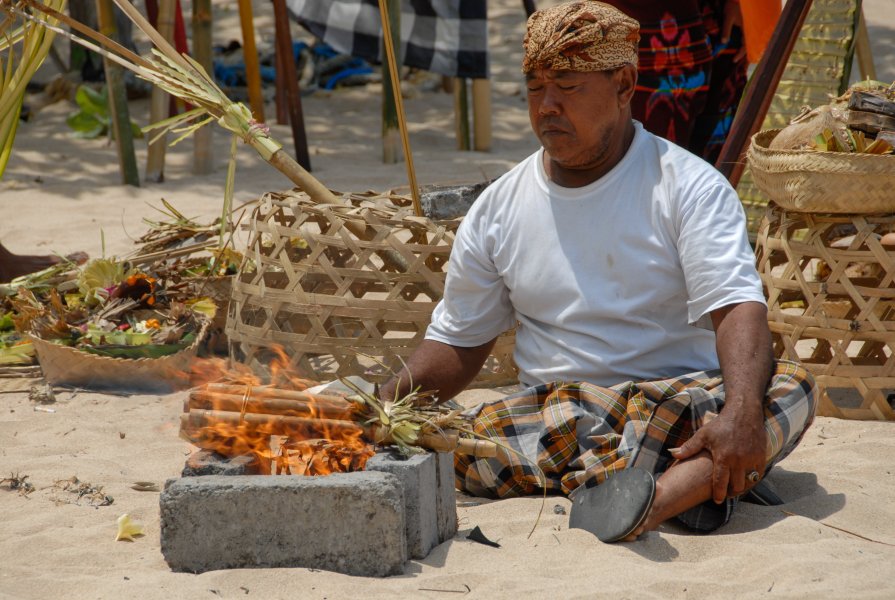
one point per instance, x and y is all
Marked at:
(818, 67)
(71, 367)
(822, 182)
(339, 305)
(833, 307)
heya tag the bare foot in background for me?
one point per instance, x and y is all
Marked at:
(15, 265)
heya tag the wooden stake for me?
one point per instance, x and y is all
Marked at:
(391, 135)
(160, 101)
(481, 114)
(461, 114)
(391, 38)
(203, 154)
(250, 59)
(289, 75)
(121, 121)
(280, 97)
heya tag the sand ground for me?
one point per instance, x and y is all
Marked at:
(834, 537)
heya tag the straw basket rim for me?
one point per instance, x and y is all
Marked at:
(822, 181)
(67, 366)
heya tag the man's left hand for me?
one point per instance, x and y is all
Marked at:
(736, 443)
(736, 438)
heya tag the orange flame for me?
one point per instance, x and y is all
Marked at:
(286, 429)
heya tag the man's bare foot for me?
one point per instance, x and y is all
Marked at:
(16, 265)
(685, 485)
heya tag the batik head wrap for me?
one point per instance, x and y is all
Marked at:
(580, 36)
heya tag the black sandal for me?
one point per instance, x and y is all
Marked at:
(614, 509)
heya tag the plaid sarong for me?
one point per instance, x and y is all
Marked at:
(449, 37)
(580, 434)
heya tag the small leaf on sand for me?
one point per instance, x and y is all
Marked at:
(476, 535)
(127, 529)
(145, 486)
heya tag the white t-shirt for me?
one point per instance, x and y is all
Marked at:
(609, 282)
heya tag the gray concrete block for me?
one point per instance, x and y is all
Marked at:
(417, 475)
(446, 497)
(209, 462)
(350, 523)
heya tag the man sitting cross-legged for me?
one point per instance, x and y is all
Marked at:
(622, 261)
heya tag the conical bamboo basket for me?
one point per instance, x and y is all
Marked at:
(339, 305)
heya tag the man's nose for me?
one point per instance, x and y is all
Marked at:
(551, 103)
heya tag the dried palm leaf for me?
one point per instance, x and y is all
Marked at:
(27, 42)
(184, 78)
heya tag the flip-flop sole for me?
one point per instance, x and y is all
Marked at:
(614, 509)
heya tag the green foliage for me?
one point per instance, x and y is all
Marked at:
(94, 118)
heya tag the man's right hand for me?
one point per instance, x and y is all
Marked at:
(436, 367)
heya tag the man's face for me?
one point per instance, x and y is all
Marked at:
(575, 114)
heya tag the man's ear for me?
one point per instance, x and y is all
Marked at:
(626, 79)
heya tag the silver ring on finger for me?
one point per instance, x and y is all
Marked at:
(753, 477)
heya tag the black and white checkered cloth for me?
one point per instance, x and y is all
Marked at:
(449, 37)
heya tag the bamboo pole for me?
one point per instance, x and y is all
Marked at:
(302, 427)
(477, 448)
(391, 39)
(760, 90)
(203, 153)
(160, 101)
(272, 424)
(391, 151)
(263, 406)
(461, 114)
(231, 116)
(121, 122)
(250, 59)
(290, 77)
(270, 405)
(481, 114)
(263, 391)
(280, 98)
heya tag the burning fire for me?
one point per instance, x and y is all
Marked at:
(287, 429)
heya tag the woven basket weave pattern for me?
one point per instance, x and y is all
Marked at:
(71, 367)
(823, 182)
(337, 304)
(833, 308)
(817, 68)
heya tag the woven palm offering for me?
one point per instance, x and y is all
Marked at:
(830, 284)
(344, 289)
(818, 67)
(814, 163)
(110, 325)
(822, 181)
